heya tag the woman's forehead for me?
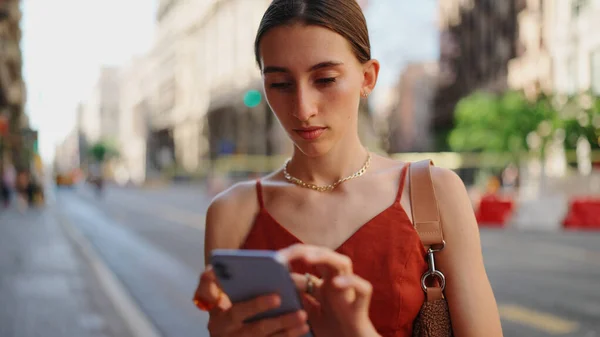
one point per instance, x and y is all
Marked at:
(301, 46)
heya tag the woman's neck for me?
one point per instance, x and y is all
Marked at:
(338, 163)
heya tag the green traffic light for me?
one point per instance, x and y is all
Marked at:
(252, 98)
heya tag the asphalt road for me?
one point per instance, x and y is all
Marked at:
(546, 284)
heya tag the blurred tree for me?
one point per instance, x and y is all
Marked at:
(476, 118)
(103, 150)
(506, 123)
(581, 117)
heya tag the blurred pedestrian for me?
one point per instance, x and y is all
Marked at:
(7, 184)
(96, 177)
(340, 212)
(510, 177)
(5, 190)
(25, 188)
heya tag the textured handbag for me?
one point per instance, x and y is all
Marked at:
(434, 317)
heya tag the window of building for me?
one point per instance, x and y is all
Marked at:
(165, 7)
(167, 96)
(572, 71)
(595, 68)
(578, 7)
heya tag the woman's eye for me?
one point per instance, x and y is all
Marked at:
(280, 85)
(326, 80)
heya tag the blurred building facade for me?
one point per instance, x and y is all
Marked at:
(15, 147)
(134, 120)
(532, 69)
(100, 112)
(175, 99)
(81, 137)
(556, 45)
(412, 109)
(228, 69)
(477, 41)
(183, 100)
(98, 120)
(576, 46)
(67, 153)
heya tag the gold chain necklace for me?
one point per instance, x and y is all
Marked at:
(329, 187)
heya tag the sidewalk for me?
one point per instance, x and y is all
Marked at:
(47, 288)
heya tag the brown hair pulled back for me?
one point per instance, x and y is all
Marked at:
(344, 17)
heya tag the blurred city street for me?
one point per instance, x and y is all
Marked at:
(114, 139)
(152, 240)
(47, 288)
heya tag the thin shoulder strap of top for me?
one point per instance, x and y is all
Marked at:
(259, 195)
(424, 205)
(402, 182)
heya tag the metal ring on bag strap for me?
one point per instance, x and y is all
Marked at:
(435, 273)
(432, 272)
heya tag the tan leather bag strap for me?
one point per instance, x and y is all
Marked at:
(424, 205)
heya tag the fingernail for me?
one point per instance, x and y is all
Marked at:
(340, 281)
(311, 256)
(274, 301)
(303, 315)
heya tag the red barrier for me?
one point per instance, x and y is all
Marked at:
(494, 211)
(584, 213)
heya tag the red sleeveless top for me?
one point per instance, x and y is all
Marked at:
(386, 251)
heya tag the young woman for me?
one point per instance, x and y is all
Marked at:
(339, 212)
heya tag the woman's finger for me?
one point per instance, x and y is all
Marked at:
(362, 288)
(285, 324)
(224, 322)
(208, 295)
(241, 311)
(308, 284)
(336, 264)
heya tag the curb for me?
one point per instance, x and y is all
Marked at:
(137, 321)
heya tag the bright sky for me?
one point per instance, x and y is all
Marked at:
(64, 44)
(66, 41)
(401, 31)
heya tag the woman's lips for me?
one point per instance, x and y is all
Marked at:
(310, 133)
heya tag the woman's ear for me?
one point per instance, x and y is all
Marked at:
(370, 74)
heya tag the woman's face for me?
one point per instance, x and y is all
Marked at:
(313, 82)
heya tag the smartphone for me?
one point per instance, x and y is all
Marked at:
(246, 274)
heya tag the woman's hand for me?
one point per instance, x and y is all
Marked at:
(227, 319)
(339, 303)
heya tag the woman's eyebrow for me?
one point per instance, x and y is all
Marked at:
(321, 65)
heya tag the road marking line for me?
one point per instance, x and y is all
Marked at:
(538, 320)
(139, 324)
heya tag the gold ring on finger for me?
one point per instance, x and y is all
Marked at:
(310, 284)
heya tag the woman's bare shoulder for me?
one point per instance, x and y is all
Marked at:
(230, 216)
(237, 195)
(449, 187)
(453, 199)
